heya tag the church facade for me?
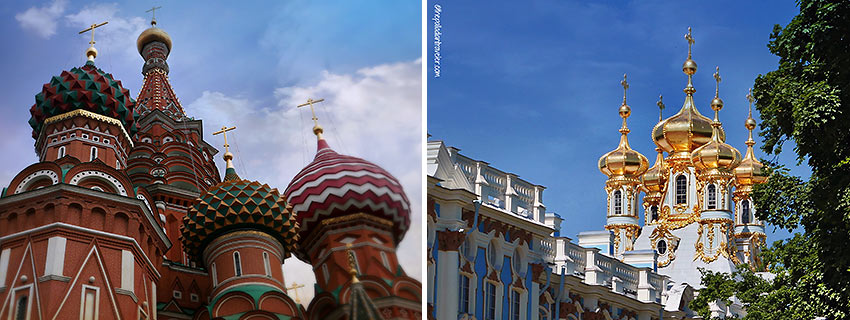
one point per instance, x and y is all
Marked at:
(125, 216)
(495, 253)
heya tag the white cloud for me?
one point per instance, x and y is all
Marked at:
(374, 114)
(118, 37)
(42, 20)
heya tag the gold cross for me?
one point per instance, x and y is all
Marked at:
(153, 14)
(295, 286)
(625, 85)
(750, 98)
(91, 28)
(717, 78)
(310, 103)
(661, 106)
(224, 130)
(691, 41)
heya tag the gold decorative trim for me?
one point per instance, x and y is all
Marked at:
(90, 115)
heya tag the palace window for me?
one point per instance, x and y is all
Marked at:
(490, 303)
(661, 247)
(491, 254)
(745, 212)
(653, 213)
(514, 305)
(237, 263)
(61, 152)
(93, 154)
(712, 197)
(618, 202)
(517, 261)
(681, 189)
(464, 294)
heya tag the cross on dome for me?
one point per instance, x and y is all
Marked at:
(317, 129)
(153, 14)
(691, 41)
(91, 52)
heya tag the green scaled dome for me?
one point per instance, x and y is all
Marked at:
(87, 88)
(237, 204)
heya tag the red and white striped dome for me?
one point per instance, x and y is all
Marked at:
(335, 185)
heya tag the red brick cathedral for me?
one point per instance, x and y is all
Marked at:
(125, 216)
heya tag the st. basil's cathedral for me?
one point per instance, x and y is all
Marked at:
(125, 216)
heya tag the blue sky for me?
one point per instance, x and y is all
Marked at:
(248, 66)
(532, 87)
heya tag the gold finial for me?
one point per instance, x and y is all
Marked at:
(661, 107)
(690, 66)
(352, 264)
(750, 124)
(717, 79)
(295, 286)
(317, 129)
(625, 85)
(625, 110)
(227, 155)
(153, 14)
(691, 41)
(91, 52)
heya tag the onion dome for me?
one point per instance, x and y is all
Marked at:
(623, 162)
(750, 171)
(237, 204)
(688, 129)
(335, 185)
(716, 154)
(153, 34)
(656, 177)
(87, 88)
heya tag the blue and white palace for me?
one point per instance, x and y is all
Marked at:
(495, 253)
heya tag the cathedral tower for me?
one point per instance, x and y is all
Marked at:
(623, 166)
(749, 231)
(346, 203)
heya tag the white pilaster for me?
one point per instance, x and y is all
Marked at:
(448, 267)
(128, 270)
(55, 261)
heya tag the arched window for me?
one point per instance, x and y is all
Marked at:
(237, 263)
(267, 264)
(618, 202)
(21, 313)
(464, 294)
(61, 152)
(93, 153)
(491, 254)
(712, 197)
(681, 189)
(214, 274)
(745, 212)
(517, 261)
(653, 213)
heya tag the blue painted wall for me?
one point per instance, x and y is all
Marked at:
(480, 272)
(505, 277)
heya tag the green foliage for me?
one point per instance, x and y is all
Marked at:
(806, 101)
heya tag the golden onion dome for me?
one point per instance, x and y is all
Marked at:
(655, 178)
(686, 130)
(751, 170)
(623, 161)
(153, 34)
(716, 154)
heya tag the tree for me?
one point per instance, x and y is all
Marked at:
(806, 100)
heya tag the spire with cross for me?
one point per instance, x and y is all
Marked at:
(717, 79)
(625, 85)
(228, 157)
(661, 107)
(294, 287)
(691, 41)
(91, 52)
(317, 129)
(153, 14)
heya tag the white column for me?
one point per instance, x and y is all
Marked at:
(644, 289)
(590, 269)
(153, 300)
(128, 270)
(534, 297)
(447, 300)
(55, 262)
